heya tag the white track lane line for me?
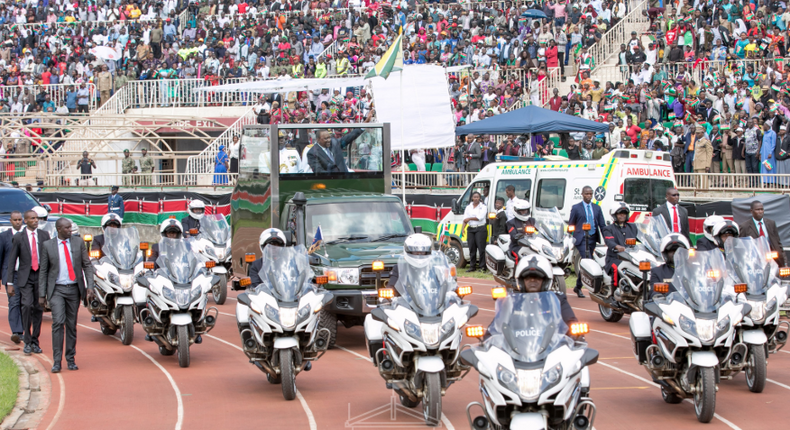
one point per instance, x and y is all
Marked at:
(445, 420)
(307, 411)
(180, 414)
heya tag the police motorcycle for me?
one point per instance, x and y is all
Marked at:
(115, 270)
(278, 319)
(532, 374)
(546, 238)
(414, 335)
(175, 315)
(622, 294)
(213, 245)
(693, 328)
(44, 223)
(750, 264)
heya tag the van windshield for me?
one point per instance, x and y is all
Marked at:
(643, 194)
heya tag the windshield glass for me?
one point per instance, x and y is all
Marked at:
(177, 260)
(16, 200)
(528, 326)
(650, 232)
(425, 288)
(121, 246)
(550, 224)
(747, 263)
(49, 227)
(372, 220)
(215, 228)
(699, 278)
(285, 272)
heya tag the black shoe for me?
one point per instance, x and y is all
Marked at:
(73, 366)
(579, 292)
(28, 349)
(308, 366)
(37, 350)
(471, 270)
(198, 339)
(56, 368)
(16, 338)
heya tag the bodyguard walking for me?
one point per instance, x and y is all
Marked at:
(64, 260)
(585, 212)
(14, 307)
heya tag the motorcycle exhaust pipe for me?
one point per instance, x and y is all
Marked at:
(581, 422)
(480, 423)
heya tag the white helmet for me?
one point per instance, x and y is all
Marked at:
(171, 224)
(672, 242)
(707, 226)
(75, 229)
(41, 213)
(196, 209)
(417, 250)
(110, 218)
(271, 236)
(725, 227)
(534, 265)
(521, 209)
(619, 207)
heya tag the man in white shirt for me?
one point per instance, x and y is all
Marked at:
(510, 192)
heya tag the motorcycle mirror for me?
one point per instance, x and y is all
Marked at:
(215, 280)
(142, 280)
(244, 299)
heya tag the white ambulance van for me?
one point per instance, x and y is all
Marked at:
(639, 178)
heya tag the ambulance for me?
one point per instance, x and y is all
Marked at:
(637, 177)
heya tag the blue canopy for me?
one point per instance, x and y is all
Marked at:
(531, 119)
(534, 13)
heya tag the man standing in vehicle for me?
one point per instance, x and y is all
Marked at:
(676, 216)
(759, 226)
(585, 212)
(327, 156)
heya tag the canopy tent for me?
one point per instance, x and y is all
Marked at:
(531, 119)
(285, 85)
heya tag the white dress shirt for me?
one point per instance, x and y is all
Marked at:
(479, 213)
(509, 212)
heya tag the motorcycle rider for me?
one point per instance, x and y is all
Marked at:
(708, 242)
(723, 231)
(109, 220)
(270, 236)
(615, 236)
(534, 275)
(516, 226)
(663, 274)
(417, 249)
(196, 210)
(169, 228)
(499, 223)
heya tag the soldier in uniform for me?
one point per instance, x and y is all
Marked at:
(147, 168)
(127, 167)
(115, 202)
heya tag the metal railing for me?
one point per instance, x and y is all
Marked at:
(140, 180)
(431, 180)
(610, 41)
(56, 92)
(733, 182)
(204, 162)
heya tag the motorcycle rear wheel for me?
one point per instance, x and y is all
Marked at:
(220, 291)
(756, 371)
(609, 314)
(183, 345)
(127, 325)
(432, 399)
(287, 374)
(705, 397)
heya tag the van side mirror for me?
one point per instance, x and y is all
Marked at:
(314, 260)
(454, 205)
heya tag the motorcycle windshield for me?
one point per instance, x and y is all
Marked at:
(177, 260)
(215, 228)
(49, 227)
(650, 232)
(425, 288)
(528, 326)
(121, 246)
(285, 272)
(749, 262)
(699, 278)
(550, 224)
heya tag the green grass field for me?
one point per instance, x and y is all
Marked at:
(9, 384)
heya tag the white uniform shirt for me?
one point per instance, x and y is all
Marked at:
(478, 212)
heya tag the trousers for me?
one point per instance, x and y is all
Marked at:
(65, 304)
(32, 312)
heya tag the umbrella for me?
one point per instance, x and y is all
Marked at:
(105, 53)
(533, 13)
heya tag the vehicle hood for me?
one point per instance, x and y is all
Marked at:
(362, 253)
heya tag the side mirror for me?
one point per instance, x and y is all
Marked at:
(142, 280)
(314, 260)
(454, 205)
(244, 299)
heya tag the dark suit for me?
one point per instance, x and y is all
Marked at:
(188, 223)
(474, 152)
(614, 235)
(26, 281)
(578, 218)
(98, 243)
(683, 218)
(14, 308)
(255, 267)
(320, 162)
(769, 229)
(64, 299)
(498, 225)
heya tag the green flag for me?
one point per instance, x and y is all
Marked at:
(392, 60)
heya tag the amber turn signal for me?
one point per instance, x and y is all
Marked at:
(210, 264)
(475, 331)
(630, 242)
(644, 266)
(144, 246)
(249, 258)
(529, 229)
(245, 282)
(773, 255)
(95, 254)
(741, 288)
(193, 231)
(571, 228)
(88, 238)
(148, 265)
(578, 329)
(463, 291)
(586, 227)
(784, 272)
(386, 293)
(661, 288)
(498, 292)
(321, 280)
(378, 265)
(492, 215)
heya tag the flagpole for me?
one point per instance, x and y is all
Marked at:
(402, 150)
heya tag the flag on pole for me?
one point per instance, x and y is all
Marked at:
(444, 236)
(319, 237)
(391, 61)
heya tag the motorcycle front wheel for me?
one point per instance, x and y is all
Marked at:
(220, 291)
(127, 325)
(559, 284)
(183, 345)
(287, 375)
(756, 371)
(705, 395)
(432, 399)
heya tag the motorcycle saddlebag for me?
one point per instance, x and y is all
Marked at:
(495, 259)
(591, 275)
(641, 336)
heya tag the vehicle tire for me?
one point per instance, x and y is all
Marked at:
(183, 345)
(220, 291)
(274, 379)
(559, 284)
(756, 371)
(329, 321)
(705, 397)
(432, 399)
(166, 352)
(107, 331)
(670, 398)
(287, 374)
(407, 402)
(455, 254)
(127, 325)
(609, 314)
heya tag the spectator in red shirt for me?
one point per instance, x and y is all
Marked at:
(632, 130)
(556, 101)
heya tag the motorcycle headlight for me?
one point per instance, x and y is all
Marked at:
(528, 381)
(303, 313)
(770, 307)
(169, 294)
(183, 296)
(272, 314)
(549, 251)
(722, 326)
(448, 328)
(507, 379)
(412, 330)
(126, 281)
(551, 377)
(706, 329)
(115, 279)
(196, 293)
(219, 251)
(288, 317)
(210, 252)
(430, 333)
(687, 325)
(757, 314)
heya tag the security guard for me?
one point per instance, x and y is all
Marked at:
(270, 236)
(127, 167)
(115, 202)
(499, 223)
(109, 220)
(516, 226)
(663, 274)
(196, 210)
(615, 235)
(147, 168)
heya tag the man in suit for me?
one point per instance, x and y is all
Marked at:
(676, 216)
(758, 226)
(23, 280)
(327, 156)
(585, 212)
(14, 311)
(472, 153)
(64, 260)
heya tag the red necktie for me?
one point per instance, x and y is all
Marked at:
(675, 225)
(34, 251)
(761, 229)
(68, 261)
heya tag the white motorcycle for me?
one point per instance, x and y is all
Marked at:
(114, 276)
(278, 320)
(213, 245)
(532, 375)
(175, 314)
(693, 328)
(547, 239)
(419, 328)
(750, 264)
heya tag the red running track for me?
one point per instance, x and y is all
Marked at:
(133, 387)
